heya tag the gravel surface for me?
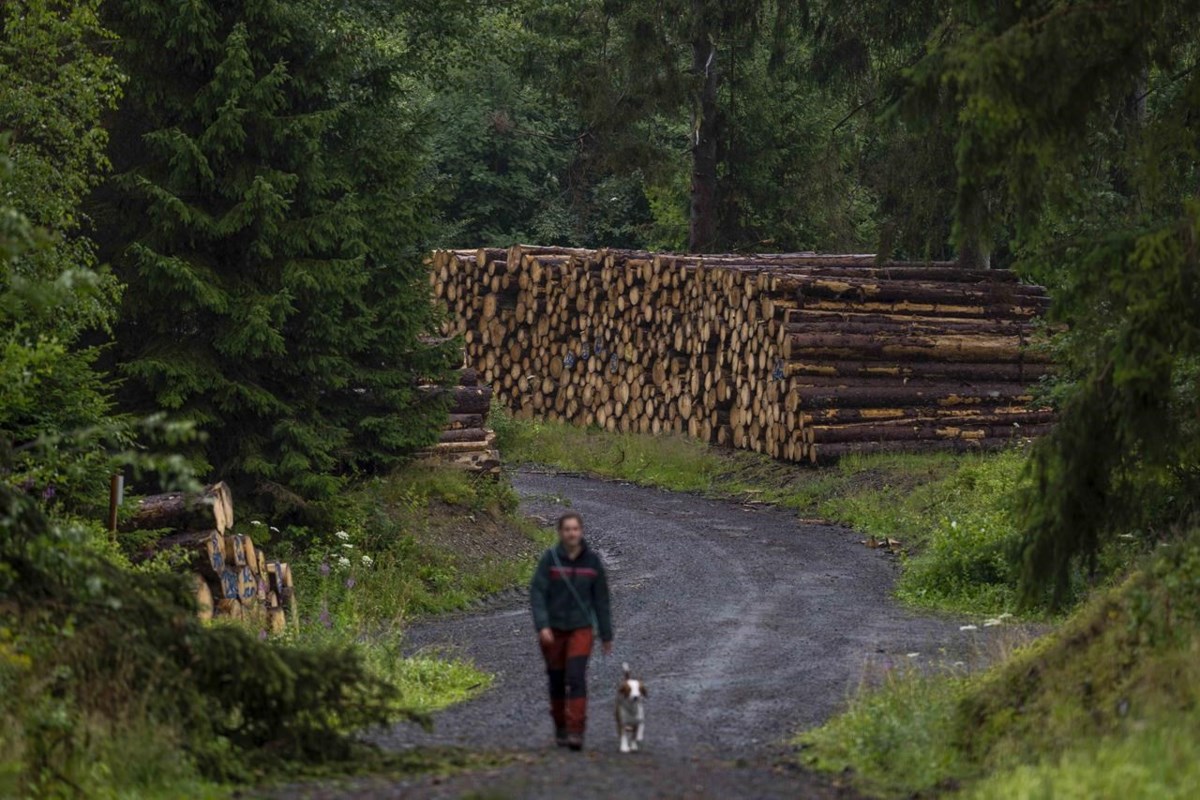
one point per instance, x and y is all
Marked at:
(745, 624)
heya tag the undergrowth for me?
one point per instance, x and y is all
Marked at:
(424, 540)
(1104, 707)
(110, 686)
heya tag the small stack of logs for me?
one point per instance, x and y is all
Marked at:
(801, 356)
(232, 577)
(467, 442)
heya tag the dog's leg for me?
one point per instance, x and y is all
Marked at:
(625, 741)
(641, 725)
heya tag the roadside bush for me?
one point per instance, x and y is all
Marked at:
(1097, 709)
(421, 540)
(85, 644)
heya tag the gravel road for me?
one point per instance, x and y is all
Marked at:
(746, 625)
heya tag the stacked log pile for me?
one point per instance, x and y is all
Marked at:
(804, 357)
(231, 576)
(467, 442)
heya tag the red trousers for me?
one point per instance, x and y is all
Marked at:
(566, 666)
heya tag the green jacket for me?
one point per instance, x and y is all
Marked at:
(554, 606)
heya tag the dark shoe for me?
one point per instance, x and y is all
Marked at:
(560, 738)
(575, 741)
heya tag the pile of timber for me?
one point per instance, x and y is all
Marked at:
(801, 356)
(467, 442)
(231, 576)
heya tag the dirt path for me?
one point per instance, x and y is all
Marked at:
(746, 625)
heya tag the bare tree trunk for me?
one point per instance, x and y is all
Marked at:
(704, 134)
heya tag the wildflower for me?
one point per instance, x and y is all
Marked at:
(368, 561)
(325, 618)
(48, 493)
(343, 562)
(342, 535)
(255, 522)
(324, 569)
(262, 635)
(954, 524)
(347, 545)
(350, 582)
(968, 627)
(273, 529)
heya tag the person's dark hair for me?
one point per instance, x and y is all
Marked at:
(575, 515)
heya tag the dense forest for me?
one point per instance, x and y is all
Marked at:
(214, 218)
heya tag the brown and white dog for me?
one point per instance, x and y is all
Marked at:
(631, 711)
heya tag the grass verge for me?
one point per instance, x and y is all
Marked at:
(1104, 707)
(424, 540)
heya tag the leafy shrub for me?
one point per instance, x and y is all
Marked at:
(1104, 706)
(87, 641)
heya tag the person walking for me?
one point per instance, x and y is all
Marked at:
(569, 596)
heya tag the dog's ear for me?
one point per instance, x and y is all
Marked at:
(645, 691)
(624, 690)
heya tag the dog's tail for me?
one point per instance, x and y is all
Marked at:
(625, 666)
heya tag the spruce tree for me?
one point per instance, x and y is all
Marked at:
(264, 216)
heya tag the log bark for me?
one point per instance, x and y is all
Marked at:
(911, 430)
(1017, 372)
(889, 396)
(465, 435)
(954, 347)
(210, 509)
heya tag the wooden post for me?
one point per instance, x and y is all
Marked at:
(116, 494)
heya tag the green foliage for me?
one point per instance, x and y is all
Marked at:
(961, 529)
(1089, 149)
(266, 217)
(572, 122)
(670, 461)
(1086, 711)
(897, 731)
(420, 541)
(88, 642)
(55, 85)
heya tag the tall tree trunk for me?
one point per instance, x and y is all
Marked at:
(704, 133)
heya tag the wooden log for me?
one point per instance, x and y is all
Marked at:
(228, 584)
(870, 289)
(251, 553)
(209, 509)
(206, 549)
(203, 593)
(230, 608)
(444, 448)
(1017, 372)
(247, 584)
(465, 435)
(917, 431)
(949, 415)
(890, 395)
(901, 347)
(462, 399)
(459, 422)
(235, 550)
(796, 321)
